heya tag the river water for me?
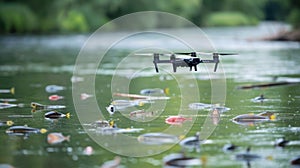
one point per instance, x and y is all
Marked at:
(30, 63)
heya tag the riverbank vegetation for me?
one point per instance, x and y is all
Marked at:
(77, 16)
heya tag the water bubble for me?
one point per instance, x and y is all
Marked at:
(75, 157)
(69, 149)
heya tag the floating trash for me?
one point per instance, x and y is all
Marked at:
(117, 105)
(267, 85)
(180, 160)
(141, 114)
(229, 147)
(157, 138)
(102, 123)
(115, 130)
(84, 96)
(259, 99)
(191, 143)
(281, 142)
(24, 130)
(56, 138)
(112, 163)
(295, 161)
(20, 116)
(128, 103)
(215, 116)
(251, 119)
(199, 106)
(56, 115)
(88, 151)
(136, 96)
(6, 123)
(55, 97)
(208, 107)
(8, 105)
(111, 109)
(11, 90)
(176, 120)
(221, 109)
(155, 91)
(36, 107)
(54, 88)
(8, 100)
(76, 79)
(129, 130)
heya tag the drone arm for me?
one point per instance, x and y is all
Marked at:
(216, 66)
(215, 60)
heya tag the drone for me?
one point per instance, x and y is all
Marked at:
(186, 59)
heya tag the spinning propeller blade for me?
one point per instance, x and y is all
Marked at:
(152, 54)
(205, 53)
(227, 53)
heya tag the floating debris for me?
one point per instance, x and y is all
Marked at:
(8, 105)
(128, 103)
(55, 97)
(56, 115)
(88, 151)
(117, 105)
(258, 99)
(208, 107)
(111, 109)
(8, 100)
(281, 142)
(20, 116)
(215, 116)
(11, 90)
(136, 96)
(116, 130)
(191, 143)
(76, 79)
(84, 96)
(251, 119)
(180, 160)
(112, 163)
(176, 120)
(155, 91)
(36, 107)
(229, 147)
(6, 123)
(24, 130)
(54, 88)
(157, 138)
(267, 85)
(141, 114)
(295, 161)
(102, 123)
(221, 109)
(56, 138)
(199, 106)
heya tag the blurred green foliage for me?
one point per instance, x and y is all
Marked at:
(69, 16)
(229, 19)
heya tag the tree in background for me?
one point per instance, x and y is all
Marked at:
(78, 16)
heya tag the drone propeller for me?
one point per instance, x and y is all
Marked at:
(152, 54)
(205, 53)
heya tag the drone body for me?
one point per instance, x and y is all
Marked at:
(186, 59)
